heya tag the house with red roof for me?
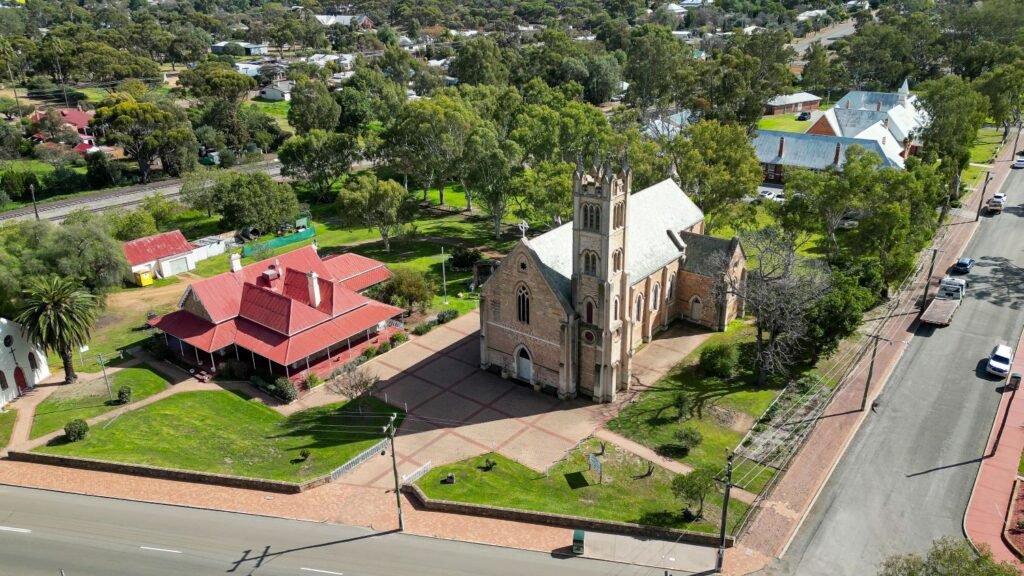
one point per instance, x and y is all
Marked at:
(163, 255)
(74, 119)
(289, 316)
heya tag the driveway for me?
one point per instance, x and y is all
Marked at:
(456, 411)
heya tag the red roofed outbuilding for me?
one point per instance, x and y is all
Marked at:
(166, 254)
(286, 315)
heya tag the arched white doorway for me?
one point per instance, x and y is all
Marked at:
(524, 365)
(696, 309)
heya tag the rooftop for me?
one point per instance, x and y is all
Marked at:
(156, 247)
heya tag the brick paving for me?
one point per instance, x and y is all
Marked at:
(779, 516)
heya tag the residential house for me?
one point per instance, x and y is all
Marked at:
(779, 151)
(278, 91)
(248, 48)
(566, 310)
(22, 363)
(287, 316)
(250, 69)
(897, 116)
(668, 126)
(810, 15)
(690, 4)
(355, 22)
(162, 255)
(73, 119)
(676, 9)
(790, 103)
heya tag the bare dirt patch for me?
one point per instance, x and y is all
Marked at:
(80, 389)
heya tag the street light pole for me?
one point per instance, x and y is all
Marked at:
(871, 371)
(390, 431)
(928, 280)
(981, 201)
(725, 515)
(103, 367)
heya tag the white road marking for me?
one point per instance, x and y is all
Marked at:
(10, 529)
(321, 571)
(160, 549)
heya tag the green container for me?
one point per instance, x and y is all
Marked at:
(577, 541)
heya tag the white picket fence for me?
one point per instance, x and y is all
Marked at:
(359, 459)
(416, 474)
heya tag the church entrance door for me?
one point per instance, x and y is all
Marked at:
(524, 365)
(696, 310)
(19, 380)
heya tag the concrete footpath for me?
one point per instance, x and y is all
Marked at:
(780, 515)
(993, 488)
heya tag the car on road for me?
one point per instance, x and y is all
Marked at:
(1019, 162)
(803, 116)
(999, 361)
(963, 265)
(772, 194)
(999, 197)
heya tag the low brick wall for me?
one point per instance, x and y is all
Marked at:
(561, 520)
(1007, 524)
(169, 473)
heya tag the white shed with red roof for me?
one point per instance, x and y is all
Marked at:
(167, 254)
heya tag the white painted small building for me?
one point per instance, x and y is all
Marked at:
(22, 364)
(250, 69)
(163, 255)
(278, 91)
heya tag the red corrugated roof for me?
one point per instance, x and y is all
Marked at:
(271, 314)
(73, 116)
(355, 271)
(366, 279)
(156, 247)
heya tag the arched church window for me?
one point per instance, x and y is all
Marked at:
(617, 259)
(670, 294)
(590, 263)
(591, 217)
(619, 215)
(523, 304)
(615, 309)
(589, 312)
(655, 296)
(638, 312)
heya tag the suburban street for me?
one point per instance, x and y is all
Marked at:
(51, 533)
(907, 476)
(826, 37)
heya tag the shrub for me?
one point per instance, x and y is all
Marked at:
(285, 390)
(304, 453)
(407, 286)
(384, 347)
(76, 430)
(370, 352)
(312, 381)
(447, 316)
(688, 438)
(124, 395)
(398, 337)
(463, 258)
(719, 360)
(422, 328)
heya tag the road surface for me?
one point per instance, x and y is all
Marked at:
(115, 198)
(826, 37)
(908, 474)
(48, 533)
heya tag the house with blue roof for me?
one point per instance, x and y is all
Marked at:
(779, 151)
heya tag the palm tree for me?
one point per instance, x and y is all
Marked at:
(57, 314)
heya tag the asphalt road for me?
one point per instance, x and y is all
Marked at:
(826, 37)
(49, 533)
(908, 474)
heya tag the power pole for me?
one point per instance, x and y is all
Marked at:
(871, 371)
(981, 201)
(35, 207)
(725, 515)
(1016, 140)
(103, 367)
(444, 281)
(389, 430)
(928, 281)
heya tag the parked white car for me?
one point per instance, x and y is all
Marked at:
(1000, 361)
(772, 194)
(1018, 162)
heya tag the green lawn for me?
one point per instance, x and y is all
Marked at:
(69, 403)
(722, 410)
(783, 122)
(569, 487)
(7, 426)
(279, 110)
(228, 433)
(986, 146)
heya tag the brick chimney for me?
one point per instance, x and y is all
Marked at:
(236, 262)
(878, 106)
(314, 289)
(782, 145)
(835, 160)
(885, 123)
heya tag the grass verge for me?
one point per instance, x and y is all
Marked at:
(7, 426)
(228, 433)
(88, 399)
(627, 494)
(783, 122)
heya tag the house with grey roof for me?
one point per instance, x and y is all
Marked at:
(355, 22)
(792, 103)
(564, 311)
(246, 48)
(894, 116)
(779, 151)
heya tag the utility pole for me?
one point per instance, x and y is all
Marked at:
(725, 515)
(444, 282)
(35, 207)
(389, 430)
(928, 281)
(103, 367)
(1016, 140)
(981, 201)
(871, 371)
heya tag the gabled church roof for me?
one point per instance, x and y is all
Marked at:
(651, 214)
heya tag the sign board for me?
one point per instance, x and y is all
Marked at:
(83, 349)
(595, 465)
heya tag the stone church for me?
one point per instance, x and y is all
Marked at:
(566, 310)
